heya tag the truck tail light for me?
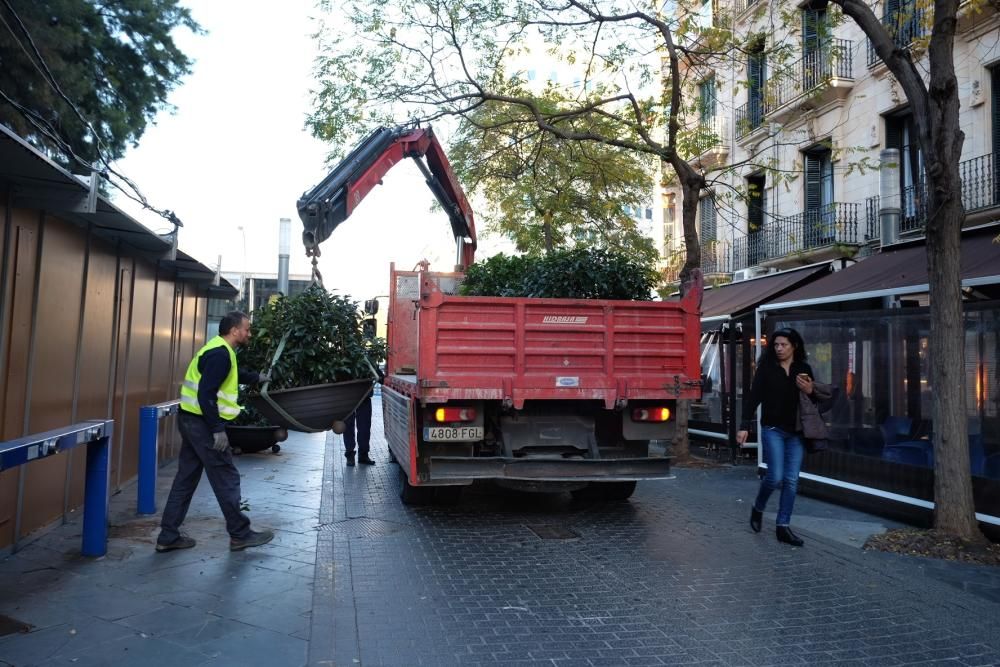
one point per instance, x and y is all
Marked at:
(651, 414)
(455, 415)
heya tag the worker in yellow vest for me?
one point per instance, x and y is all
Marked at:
(208, 402)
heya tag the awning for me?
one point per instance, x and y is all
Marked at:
(898, 271)
(737, 298)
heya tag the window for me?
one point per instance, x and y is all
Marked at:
(818, 224)
(904, 20)
(995, 127)
(707, 232)
(706, 100)
(756, 252)
(756, 80)
(815, 38)
(901, 134)
(531, 75)
(649, 214)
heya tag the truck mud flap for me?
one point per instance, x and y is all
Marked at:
(454, 467)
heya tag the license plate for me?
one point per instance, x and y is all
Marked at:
(460, 433)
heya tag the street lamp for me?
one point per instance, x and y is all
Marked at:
(243, 272)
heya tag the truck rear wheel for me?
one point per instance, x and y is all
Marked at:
(607, 491)
(414, 495)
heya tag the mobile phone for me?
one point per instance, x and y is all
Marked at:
(804, 375)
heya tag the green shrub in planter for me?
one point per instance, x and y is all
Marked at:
(580, 273)
(325, 344)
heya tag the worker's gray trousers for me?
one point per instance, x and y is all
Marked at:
(197, 455)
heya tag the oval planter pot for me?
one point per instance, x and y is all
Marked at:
(249, 439)
(315, 407)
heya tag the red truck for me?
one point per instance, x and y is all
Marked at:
(542, 394)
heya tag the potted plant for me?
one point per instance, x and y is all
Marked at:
(320, 362)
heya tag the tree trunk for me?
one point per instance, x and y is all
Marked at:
(954, 510)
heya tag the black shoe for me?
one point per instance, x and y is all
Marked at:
(756, 519)
(786, 535)
(182, 542)
(252, 539)
(367, 460)
(350, 461)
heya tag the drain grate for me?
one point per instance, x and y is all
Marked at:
(363, 527)
(547, 532)
(10, 626)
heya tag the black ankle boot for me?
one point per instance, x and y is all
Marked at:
(786, 535)
(756, 518)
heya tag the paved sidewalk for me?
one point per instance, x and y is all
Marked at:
(204, 605)
(356, 578)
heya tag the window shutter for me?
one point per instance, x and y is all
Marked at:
(995, 119)
(707, 215)
(814, 187)
(755, 204)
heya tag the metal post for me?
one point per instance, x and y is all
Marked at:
(96, 497)
(890, 202)
(149, 424)
(284, 253)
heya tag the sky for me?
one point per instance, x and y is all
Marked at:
(235, 152)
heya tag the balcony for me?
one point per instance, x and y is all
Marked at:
(741, 7)
(980, 192)
(822, 75)
(749, 117)
(905, 26)
(807, 237)
(709, 143)
(716, 259)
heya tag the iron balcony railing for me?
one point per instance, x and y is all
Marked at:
(832, 58)
(980, 190)
(711, 134)
(716, 257)
(833, 224)
(743, 5)
(749, 117)
(906, 24)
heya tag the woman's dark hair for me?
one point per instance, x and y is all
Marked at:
(230, 321)
(793, 337)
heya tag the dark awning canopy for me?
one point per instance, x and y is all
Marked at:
(34, 181)
(899, 270)
(737, 298)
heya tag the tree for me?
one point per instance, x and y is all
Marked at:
(81, 79)
(423, 60)
(548, 193)
(935, 105)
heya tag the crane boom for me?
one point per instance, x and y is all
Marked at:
(331, 202)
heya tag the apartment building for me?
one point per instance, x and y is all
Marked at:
(792, 124)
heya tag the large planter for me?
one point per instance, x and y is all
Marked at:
(314, 408)
(250, 439)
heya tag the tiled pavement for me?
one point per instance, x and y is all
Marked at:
(672, 577)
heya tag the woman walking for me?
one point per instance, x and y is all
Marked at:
(781, 374)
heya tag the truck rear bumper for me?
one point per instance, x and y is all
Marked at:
(582, 470)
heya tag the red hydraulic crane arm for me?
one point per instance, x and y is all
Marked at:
(334, 200)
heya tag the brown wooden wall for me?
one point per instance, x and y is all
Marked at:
(87, 330)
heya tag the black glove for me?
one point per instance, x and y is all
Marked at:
(221, 442)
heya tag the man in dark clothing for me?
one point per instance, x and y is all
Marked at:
(360, 419)
(208, 402)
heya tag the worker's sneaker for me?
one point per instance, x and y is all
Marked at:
(367, 460)
(182, 542)
(252, 539)
(350, 460)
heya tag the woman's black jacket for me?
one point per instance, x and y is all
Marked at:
(777, 392)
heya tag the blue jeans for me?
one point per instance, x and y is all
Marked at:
(783, 453)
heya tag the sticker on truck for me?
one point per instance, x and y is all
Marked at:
(565, 381)
(452, 433)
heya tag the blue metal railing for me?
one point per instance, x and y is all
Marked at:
(96, 435)
(149, 445)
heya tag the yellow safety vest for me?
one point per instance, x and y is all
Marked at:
(228, 393)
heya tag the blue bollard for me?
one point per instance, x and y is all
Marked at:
(96, 497)
(149, 422)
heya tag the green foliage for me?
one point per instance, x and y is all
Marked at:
(324, 345)
(545, 192)
(116, 61)
(580, 273)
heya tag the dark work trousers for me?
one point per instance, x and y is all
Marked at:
(197, 455)
(362, 420)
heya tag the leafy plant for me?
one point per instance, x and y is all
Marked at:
(325, 344)
(580, 273)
